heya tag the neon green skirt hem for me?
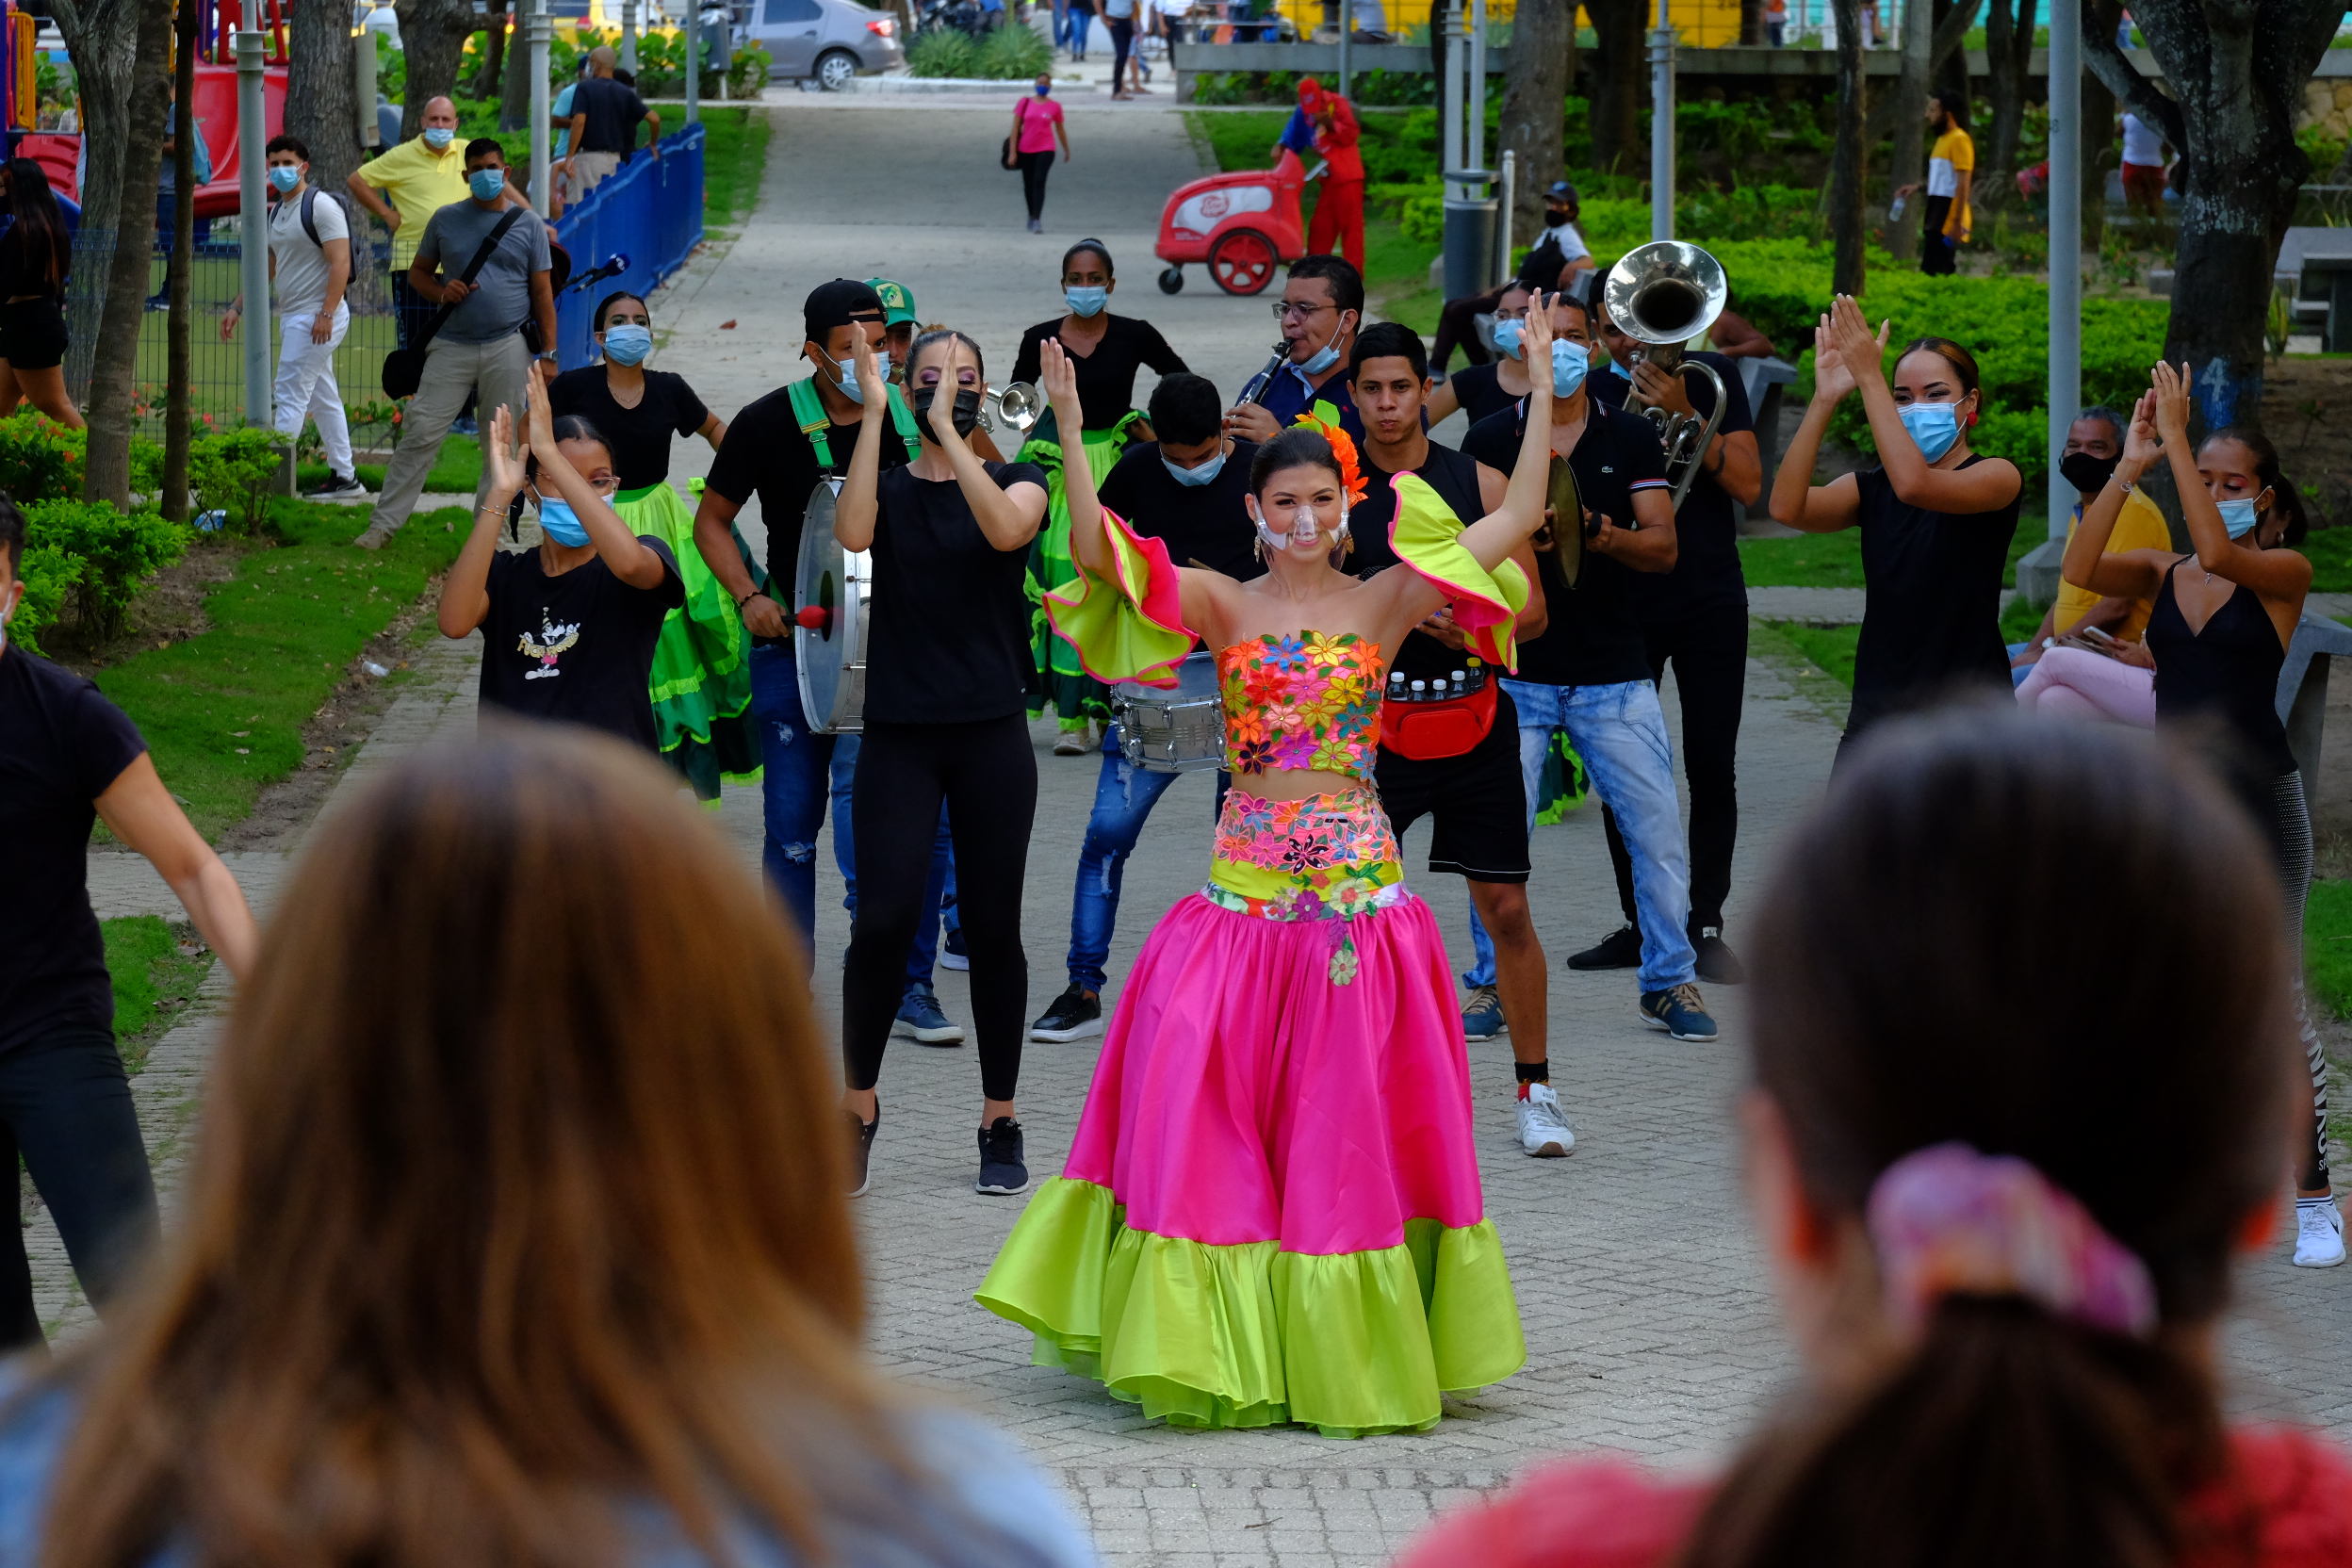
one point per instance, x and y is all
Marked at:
(1248, 1335)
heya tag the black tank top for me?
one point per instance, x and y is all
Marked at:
(1932, 617)
(2228, 671)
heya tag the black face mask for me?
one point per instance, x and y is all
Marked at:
(2087, 474)
(1555, 217)
(967, 415)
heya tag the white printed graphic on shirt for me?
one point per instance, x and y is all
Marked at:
(553, 642)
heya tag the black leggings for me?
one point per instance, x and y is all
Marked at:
(1122, 39)
(1710, 651)
(2285, 820)
(987, 773)
(1033, 171)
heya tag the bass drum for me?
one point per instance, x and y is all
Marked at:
(832, 617)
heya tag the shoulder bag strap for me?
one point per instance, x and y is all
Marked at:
(815, 424)
(498, 232)
(903, 418)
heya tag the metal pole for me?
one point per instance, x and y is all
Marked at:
(1346, 25)
(1511, 194)
(693, 60)
(1662, 128)
(536, 28)
(252, 225)
(1449, 91)
(1475, 149)
(628, 36)
(2065, 247)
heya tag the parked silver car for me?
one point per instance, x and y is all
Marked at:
(828, 40)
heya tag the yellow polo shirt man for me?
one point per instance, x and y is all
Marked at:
(2139, 527)
(418, 178)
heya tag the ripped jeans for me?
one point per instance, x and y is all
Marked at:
(800, 770)
(1123, 798)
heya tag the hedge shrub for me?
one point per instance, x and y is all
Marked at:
(115, 553)
(232, 469)
(47, 572)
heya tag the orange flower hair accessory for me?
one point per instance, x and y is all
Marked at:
(1323, 418)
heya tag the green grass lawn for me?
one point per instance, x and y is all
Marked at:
(154, 981)
(223, 712)
(2330, 549)
(1831, 647)
(733, 160)
(456, 469)
(2328, 944)
(1834, 560)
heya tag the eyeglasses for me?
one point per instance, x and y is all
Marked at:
(1285, 311)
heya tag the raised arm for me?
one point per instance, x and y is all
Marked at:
(1008, 519)
(621, 549)
(2134, 574)
(1797, 501)
(1980, 487)
(465, 591)
(1494, 537)
(2283, 577)
(1059, 379)
(859, 503)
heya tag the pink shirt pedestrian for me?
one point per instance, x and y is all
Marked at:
(1038, 117)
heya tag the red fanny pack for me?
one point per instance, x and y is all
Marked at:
(1426, 731)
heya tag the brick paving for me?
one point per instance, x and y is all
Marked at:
(1650, 1325)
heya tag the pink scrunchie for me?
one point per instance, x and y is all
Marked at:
(1947, 1220)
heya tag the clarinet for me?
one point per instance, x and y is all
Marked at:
(1259, 383)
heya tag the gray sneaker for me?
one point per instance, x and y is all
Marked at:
(375, 538)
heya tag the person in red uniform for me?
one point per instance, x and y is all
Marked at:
(1339, 215)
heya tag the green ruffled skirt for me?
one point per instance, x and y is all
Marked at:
(701, 674)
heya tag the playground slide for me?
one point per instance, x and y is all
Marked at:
(59, 152)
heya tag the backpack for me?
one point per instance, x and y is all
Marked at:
(310, 225)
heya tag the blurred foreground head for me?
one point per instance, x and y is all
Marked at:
(1929, 972)
(517, 1195)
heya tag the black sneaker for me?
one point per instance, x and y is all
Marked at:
(1718, 964)
(340, 488)
(1074, 1016)
(1620, 949)
(1001, 1172)
(860, 1151)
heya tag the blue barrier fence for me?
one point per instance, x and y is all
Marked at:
(652, 212)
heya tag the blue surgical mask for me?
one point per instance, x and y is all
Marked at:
(1088, 301)
(439, 137)
(1934, 426)
(486, 182)
(1193, 479)
(2239, 517)
(1045, 88)
(848, 385)
(1621, 373)
(559, 522)
(285, 178)
(628, 343)
(1569, 363)
(1508, 336)
(1323, 358)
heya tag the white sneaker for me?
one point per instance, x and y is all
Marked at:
(1544, 1128)
(2318, 1235)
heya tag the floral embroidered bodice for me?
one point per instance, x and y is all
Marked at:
(1307, 702)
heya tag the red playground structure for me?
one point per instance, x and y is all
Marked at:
(1244, 224)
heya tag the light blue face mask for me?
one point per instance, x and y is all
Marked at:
(1088, 301)
(1569, 363)
(1193, 479)
(285, 176)
(2239, 517)
(439, 137)
(559, 522)
(848, 383)
(1509, 335)
(486, 182)
(1934, 426)
(1324, 357)
(628, 343)
(1619, 370)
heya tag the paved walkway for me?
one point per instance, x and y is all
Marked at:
(1650, 1322)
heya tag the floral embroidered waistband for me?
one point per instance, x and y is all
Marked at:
(1329, 857)
(1351, 897)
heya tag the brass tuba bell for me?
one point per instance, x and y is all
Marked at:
(1014, 408)
(1664, 295)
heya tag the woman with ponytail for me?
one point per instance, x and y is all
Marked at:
(568, 629)
(2005, 1307)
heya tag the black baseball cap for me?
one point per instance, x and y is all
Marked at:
(1562, 190)
(837, 304)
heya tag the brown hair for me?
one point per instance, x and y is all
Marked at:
(519, 1196)
(1937, 885)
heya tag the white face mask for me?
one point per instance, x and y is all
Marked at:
(1304, 531)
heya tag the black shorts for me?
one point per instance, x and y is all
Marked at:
(32, 334)
(1478, 799)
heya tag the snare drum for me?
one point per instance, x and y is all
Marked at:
(1177, 729)
(832, 618)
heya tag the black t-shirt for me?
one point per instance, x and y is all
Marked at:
(951, 611)
(1455, 478)
(61, 746)
(1478, 393)
(613, 112)
(640, 436)
(1933, 614)
(1592, 636)
(1203, 526)
(765, 455)
(1106, 378)
(577, 648)
(1706, 531)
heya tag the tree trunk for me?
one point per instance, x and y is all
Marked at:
(514, 102)
(1944, 56)
(1849, 161)
(1621, 65)
(2008, 43)
(101, 38)
(493, 54)
(1908, 162)
(106, 469)
(175, 414)
(319, 92)
(2237, 73)
(433, 37)
(1750, 22)
(1535, 83)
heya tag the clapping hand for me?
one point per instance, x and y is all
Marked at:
(540, 407)
(2171, 397)
(505, 464)
(1059, 378)
(2142, 444)
(1859, 349)
(1538, 347)
(869, 373)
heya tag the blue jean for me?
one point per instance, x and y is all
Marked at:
(1123, 798)
(799, 769)
(1620, 731)
(1079, 22)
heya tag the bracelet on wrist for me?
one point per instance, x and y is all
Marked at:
(755, 593)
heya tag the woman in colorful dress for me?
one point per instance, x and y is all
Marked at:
(1106, 352)
(1271, 1210)
(701, 676)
